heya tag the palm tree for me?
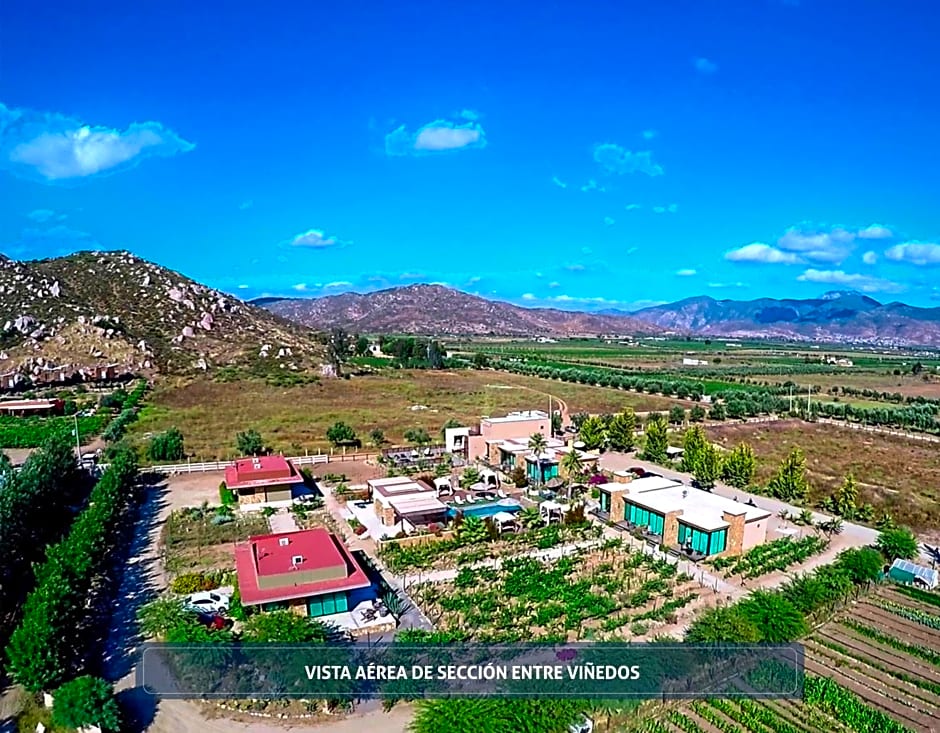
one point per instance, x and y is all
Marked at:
(572, 465)
(530, 517)
(538, 444)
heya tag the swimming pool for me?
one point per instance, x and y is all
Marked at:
(486, 510)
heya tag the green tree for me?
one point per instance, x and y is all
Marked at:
(707, 467)
(693, 443)
(572, 465)
(337, 348)
(159, 616)
(530, 517)
(287, 627)
(657, 440)
(362, 346)
(677, 414)
(418, 436)
(556, 423)
(718, 411)
(593, 433)
(249, 443)
(697, 413)
(846, 498)
(863, 564)
(898, 542)
(621, 432)
(167, 446)
(739, 466)
(790, 483)
(722, 624)
(480, 360)
(339, 433)
(494, 715)
(86, 701)
(776, 618)
(578, 418)
(377, 438)
(435, 356)
(470, 477)
(518, 477)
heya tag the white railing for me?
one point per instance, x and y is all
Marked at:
(206, 466)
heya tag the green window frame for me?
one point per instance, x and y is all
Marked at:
(717, 541)
(605, 502)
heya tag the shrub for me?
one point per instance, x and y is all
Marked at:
(86, 701)
(226, 495)
(191, 583)
(166, 446)
(249, 443)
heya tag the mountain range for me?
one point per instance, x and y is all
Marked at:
(95, 308)
(835, 317)
(438, 310)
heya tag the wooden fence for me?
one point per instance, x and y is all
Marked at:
(206, 466)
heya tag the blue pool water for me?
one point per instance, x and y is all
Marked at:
(486, 510)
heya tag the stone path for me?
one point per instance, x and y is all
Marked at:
(283, 521)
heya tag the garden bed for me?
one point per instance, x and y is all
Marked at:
(199, 539)
(600, 593)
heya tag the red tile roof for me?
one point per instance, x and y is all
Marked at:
(263, 558)
(260, 472)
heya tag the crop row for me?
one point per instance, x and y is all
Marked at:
(921, 652)
(912, 614)
(918, 594)
(31, 432)
(846, 707)
(923, 684)
(772, 556)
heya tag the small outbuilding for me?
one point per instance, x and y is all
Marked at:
(910, 573)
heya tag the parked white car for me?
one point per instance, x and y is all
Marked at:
(208, 602)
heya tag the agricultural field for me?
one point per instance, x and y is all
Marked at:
(293, 419)
(896, 475)
(875, 666)
(600, 593)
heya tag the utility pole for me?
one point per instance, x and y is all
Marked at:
(809, 409)
(78, 441)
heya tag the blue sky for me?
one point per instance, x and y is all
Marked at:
(579, 155)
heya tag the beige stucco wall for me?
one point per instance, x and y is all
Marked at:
(515, 429)
(755, 533)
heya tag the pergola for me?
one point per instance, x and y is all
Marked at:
(552, 511)
(418, 510)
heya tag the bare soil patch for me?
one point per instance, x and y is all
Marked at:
(896, 475)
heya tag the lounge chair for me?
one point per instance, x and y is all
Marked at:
(471, 499)
(502, 494)
(458, 501)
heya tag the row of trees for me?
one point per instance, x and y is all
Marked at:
(65, 616)
(35, 511)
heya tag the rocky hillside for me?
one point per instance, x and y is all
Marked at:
(437, 310)
(96, 308)
(839, 316)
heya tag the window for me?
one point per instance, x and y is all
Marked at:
(605, 502)
(706, 543)
(328, 603)
(297, 559)
(644, 518)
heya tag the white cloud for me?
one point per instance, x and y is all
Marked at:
(673, 208)
(659, 209)
(412, 276)
(338, 284)
(592, 185)
(632, 207)
(865, 283)
(763, 253)
(436, 137)
(688, 272)
(300, 287)
(615, 159)
(45, 216)
(554, 284)
(915, 253)
(575, 268)
(474, 280)
(609, 221)
(528, 296)
(704, 66)
(315, 239)
(649, 134)
(243, 287)
(53, 147)
(670, 209)
(558, 182)
(726, 285)
(870, 258)
(875, 231)
(831, 246)
(470, 114)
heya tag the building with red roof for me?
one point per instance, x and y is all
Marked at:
(262, 479)
(311, 572)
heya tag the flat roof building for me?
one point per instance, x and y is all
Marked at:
(262, 479)
(310, 571)
(695, 522)
(399, 497)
